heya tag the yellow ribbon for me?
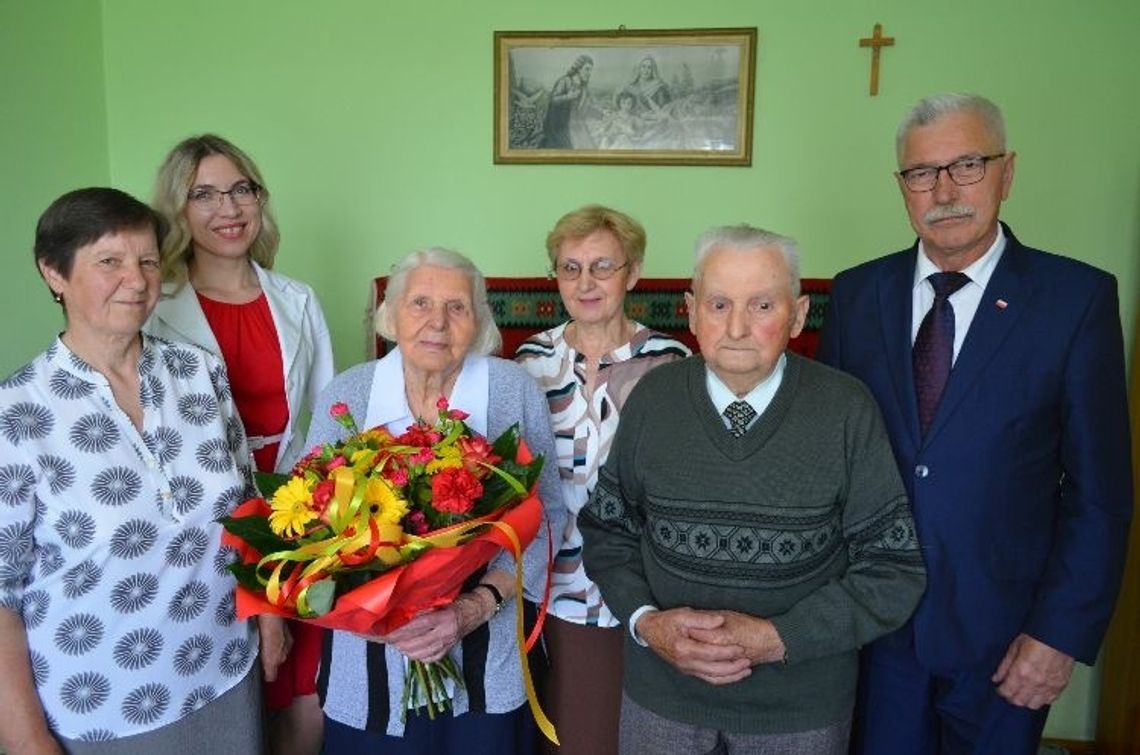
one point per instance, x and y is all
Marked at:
(544, 724)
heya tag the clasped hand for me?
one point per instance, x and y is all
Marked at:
(719, 647)
(429, 636)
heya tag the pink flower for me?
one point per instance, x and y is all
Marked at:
(454, 491)
(339, 409)
(442, 405)
(423, 456)
(397, 476)
(322, 495)
(338, 461)
(417, 523)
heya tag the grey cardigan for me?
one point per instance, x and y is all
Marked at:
(351, 693)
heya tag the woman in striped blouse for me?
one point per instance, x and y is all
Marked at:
(587, 367)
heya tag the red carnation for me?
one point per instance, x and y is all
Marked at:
(420, 435)
(454, 490)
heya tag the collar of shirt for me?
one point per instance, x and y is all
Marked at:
(758, 398)
(965, 299)
(388, 404)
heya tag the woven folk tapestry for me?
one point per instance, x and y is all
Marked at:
(525, 306)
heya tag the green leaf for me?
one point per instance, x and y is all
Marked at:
(321, 595)
(268, 482)
(507, 444)
(246, 575)
(254, 530)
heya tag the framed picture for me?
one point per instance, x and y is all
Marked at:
(653, 97)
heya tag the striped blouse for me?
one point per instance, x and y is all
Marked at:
(584, 428)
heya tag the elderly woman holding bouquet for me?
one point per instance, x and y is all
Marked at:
(118, 451)
(435, 309)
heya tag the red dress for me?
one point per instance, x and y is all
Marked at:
(251, 350)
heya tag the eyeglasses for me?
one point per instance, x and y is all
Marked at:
(243, 194)
(964, 171)
(600, 269)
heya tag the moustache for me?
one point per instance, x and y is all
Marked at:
(947, 211)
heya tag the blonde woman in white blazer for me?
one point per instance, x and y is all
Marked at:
(219, 294)
(303, 336)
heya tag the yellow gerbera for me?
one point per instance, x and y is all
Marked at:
(448, 457)
(362, 460)
(291, 511)
(387, 507)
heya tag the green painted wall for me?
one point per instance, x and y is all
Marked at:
(53, 137)
(372, 124)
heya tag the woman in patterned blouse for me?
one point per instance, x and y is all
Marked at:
(587, 367)
(118, 452)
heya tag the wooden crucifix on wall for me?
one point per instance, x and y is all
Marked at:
(876, 42)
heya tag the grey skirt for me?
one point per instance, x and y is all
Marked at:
(230, 725)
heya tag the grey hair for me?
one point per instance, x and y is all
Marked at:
(934, 108)
(487, 337)
(743, 238)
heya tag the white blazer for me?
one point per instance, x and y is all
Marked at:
(306, 349)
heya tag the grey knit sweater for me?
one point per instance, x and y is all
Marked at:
(803, 520)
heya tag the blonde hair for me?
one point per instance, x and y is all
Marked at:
(594, 217)
(171, 192)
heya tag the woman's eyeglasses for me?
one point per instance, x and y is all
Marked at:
(600, 269)
(242, 194)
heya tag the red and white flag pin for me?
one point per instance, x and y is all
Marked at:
(1001, 304)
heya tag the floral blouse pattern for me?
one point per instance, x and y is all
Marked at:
(109, 549)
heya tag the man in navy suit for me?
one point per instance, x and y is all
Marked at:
(1016, 461)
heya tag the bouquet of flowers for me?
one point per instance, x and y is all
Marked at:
(371, 531)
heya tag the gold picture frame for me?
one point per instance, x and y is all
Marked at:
(644, 97)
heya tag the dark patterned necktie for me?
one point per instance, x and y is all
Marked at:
(739, 414)
(933, 352)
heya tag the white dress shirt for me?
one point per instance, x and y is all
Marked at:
(965, 300)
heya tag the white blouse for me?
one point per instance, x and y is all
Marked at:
(109, 548)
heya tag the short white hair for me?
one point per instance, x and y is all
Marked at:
(932, 109)
(487, 336)
(743, 238)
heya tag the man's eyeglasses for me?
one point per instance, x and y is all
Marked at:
(244, 194)
(600, 269)
(965, 171)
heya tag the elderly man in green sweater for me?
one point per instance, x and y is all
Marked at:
(749, 527)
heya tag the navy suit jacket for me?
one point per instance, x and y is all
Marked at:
(1022, 489)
